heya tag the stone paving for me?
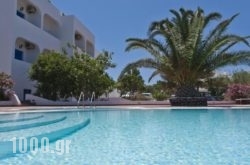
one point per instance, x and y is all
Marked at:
(212, 104)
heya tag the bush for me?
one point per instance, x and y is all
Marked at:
(188, 101)
(5, 83)
(160, 96)
(237, 91)
(3, 97)
(138, 97)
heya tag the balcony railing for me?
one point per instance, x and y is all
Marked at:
(20, 14)
(18, 55)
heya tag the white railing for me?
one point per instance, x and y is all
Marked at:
(92, 98)
(79, 100)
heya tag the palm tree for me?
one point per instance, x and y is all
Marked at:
(183, 52)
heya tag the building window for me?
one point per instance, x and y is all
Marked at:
(18, 55)
(20, 14)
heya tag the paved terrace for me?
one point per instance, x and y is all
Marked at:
(136, 105)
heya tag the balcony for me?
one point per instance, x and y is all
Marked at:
(90, 49)
(20, 14)
(36, 35)
(51, 26)
(18, 54)
(26, 51)
(29, 12)
(80, 41)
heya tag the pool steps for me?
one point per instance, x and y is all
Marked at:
(19, 120)
(6, 147)
(31, 125)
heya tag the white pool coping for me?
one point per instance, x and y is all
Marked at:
(38, 109)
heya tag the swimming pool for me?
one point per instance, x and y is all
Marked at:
(136, 137)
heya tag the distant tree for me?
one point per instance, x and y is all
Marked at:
(131, 81)
(158, 86)
(218, 85)
(159, 90)
(241, 77)
(6, 83)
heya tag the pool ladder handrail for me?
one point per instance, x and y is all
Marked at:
(92, 99)
(79, 99)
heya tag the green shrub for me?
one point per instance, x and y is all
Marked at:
(160, 96)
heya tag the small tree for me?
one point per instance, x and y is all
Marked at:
(160, 90)
(241, 77)
(218, 85)
(51, 71)
(6, 82)
(237, 91)
(131, 82)
(90, 73)
(59, 76)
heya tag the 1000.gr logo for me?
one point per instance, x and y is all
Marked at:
(23, 145)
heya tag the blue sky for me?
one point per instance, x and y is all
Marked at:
(113, 21)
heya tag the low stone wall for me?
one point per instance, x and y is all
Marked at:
(243, 101)
(34, 100)
(188, 101)
(6, 103)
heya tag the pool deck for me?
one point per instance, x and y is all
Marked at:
(211, 105)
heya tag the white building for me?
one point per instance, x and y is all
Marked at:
(29, 27)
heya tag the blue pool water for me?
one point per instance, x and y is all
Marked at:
(138, 137)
